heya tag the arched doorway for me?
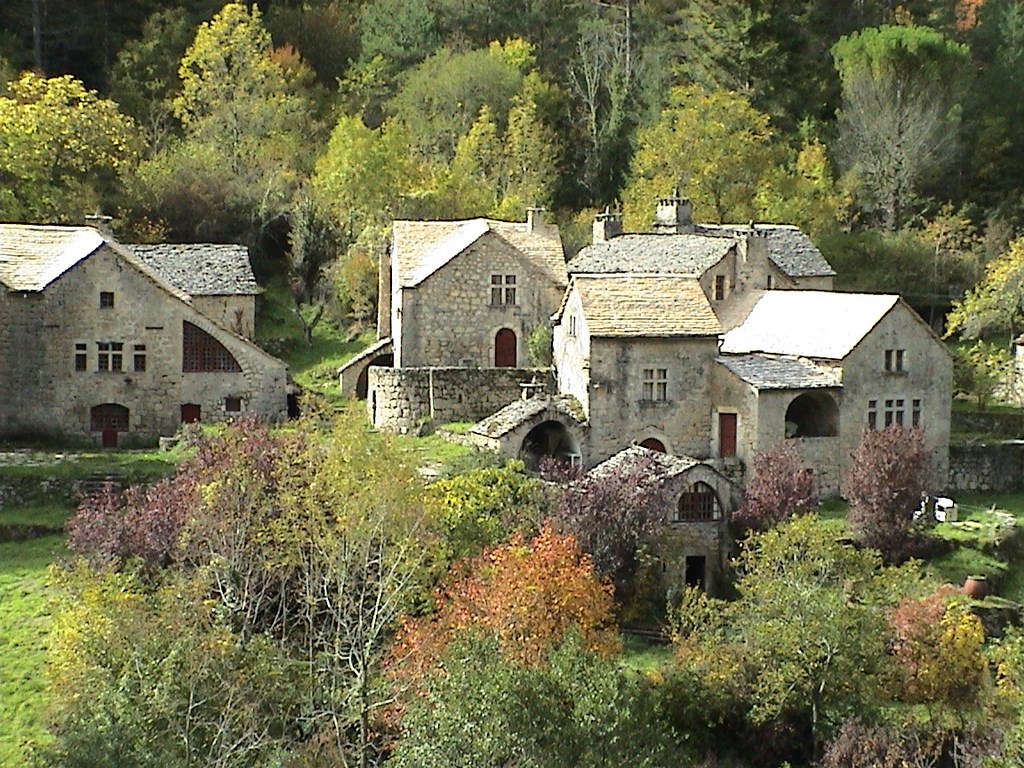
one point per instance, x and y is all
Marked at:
(549, 439)
(108, 419)
(812, 414)
(505, 348)
(653, 444)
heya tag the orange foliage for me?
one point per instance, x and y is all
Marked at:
(967, 14)
(528, 593)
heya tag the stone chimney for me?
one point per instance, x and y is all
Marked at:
(534, 219)
(606, 226)
(101, 224)
(384, 293)
(674, 215)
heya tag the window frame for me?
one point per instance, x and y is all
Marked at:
(503, 289)
(106, 299)
(81, 356)
(654, 385)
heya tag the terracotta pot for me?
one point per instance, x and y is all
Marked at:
(976, 587)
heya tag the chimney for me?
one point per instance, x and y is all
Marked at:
(101, 224)
(606, 226)
(674, 215)
(534, 219)
(384, 293)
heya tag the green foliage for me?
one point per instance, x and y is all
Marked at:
(996, 304)
(62, 148)
(574, 710)
(538, 347)
(981, 370)
(899, 117)
(482, 507)
(400, 32)
(713, 146)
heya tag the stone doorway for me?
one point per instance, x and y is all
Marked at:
(191, 413)
(505, 348)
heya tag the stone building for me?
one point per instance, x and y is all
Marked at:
(456, 296)
(717, 342)
(100, 345)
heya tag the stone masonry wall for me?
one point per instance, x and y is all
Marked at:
(409, 400)
(996, 467)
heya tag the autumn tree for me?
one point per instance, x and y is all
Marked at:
(528, 594)
(899, 118)
(63, 149)
(714, 146)
(780, 487)
(884, 484)
(996, 304)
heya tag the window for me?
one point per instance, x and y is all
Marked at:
(139, 359)
(719, 287)
(770, 283)
(232, 404)
(81, 357)
(201, 353)
(893, 412)
(655, 384)
(572, 325)
(872, 414)
(698, 504)
(894, 360)
(915, 412)
(106, 299)
(503, 290)
(109, 355)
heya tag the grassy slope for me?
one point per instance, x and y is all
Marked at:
(24, 626)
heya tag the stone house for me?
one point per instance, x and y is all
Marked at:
(698, 502)
(458, 302)
(100, 345)
(716, 342)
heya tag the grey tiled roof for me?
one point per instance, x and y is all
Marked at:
(781, 372)
(656, 465)
(201, 269)
(679, 254)
(33, 256)
(512, 415)
(791, 249)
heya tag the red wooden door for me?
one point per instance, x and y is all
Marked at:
(505, 349)
(190, 413)
(109, 437)
(726, 434)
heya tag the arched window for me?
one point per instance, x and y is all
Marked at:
(201, 353)
(653, 444)
(698, 504)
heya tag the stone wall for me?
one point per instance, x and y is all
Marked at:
(411, 400)
(996, 467)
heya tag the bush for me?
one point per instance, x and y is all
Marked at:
(780, 488)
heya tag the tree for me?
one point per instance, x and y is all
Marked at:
(943, 620)
(62, 149)
(899, 117)
(529, 595)
(780, 488)
(982, 370)
(712, 145)
(996, 303)
(885, 483)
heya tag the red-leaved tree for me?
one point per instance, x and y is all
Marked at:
(781, 487)
(884, 484)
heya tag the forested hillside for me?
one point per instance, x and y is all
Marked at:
(302, 127)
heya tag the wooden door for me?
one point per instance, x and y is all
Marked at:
(505, 349)
(191, 413)
(726, 434)
(109, 437)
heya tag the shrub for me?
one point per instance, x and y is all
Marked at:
(781, 487)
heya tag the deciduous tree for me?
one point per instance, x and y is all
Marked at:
(780, 488)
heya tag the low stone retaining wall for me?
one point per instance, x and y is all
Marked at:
(992, 466)
(412, 400)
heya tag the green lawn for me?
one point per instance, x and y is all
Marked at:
(24, 627)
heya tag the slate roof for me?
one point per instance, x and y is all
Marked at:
(421, 248)
(781, 372)
(815, 324)
(33, 256)
(679, 254)
(512, 415)
(657, 465)
(201, 269)
(789, 248)
(626, 305)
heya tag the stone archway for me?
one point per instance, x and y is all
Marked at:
(549, 439)
(362, 383)
(812, 414)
